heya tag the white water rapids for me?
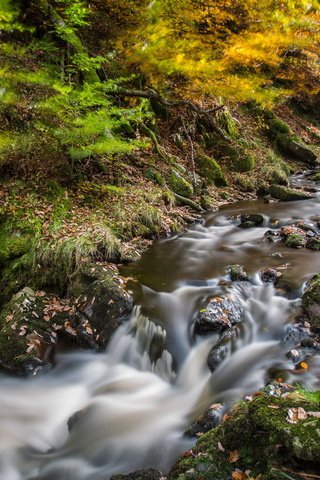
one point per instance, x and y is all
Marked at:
(134, 404)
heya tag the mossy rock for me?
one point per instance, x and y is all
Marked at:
(180, 185)
(211, 171)
(259, 437)
(292, 147)
(13, 245)
(311, 302)
(295, 241)
(313, 244)
(316, 177)
(244, 164)
(276, 126)
(288, 194)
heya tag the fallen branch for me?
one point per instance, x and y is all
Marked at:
(153, 95)
(188, 202)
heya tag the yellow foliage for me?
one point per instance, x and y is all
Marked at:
(233, 48)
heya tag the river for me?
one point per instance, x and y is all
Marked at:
(137, 398)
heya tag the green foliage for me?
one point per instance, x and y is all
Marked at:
(210, 170)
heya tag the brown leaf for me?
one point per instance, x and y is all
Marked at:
(238, 475)
(234, 456)
(295, 415)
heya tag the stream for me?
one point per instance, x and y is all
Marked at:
(137, 398)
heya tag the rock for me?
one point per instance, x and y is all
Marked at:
(257, 218)
(296, 241)
(243, 164)
(180, 185)
(102, 304)
(145, 474)
(257, 435)
(27, 339)
(219, 315)
(205, 422)
(247, 225)
(237, 273)
(311, 302)
(270, 275)
(210, 171)
(288, 145)
(313, 243)
(288, 194)
(221, 350)
(308, 227)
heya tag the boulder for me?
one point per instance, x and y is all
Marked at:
(290, 146)
(288, 194)
(257, 218)
(219, 315)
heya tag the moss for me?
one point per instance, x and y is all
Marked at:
(244, 164)
(313, 244)
(295, 241)
(261, 434)
(276, 126)
(287, 194)
(211, 171)
(245, 183)
(13, 245)
(180, 186)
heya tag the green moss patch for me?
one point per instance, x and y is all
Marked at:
(211, 171)
(257, 436)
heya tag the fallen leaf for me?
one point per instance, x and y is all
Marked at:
(295, 415)
(234, 456)
(274, 406)
(238, 475)
(304, 365)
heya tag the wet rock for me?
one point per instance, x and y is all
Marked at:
(296, 241)
(219, 315)
(256, 218)
(270, 275)
(248, 224)
(309, 227)
(145, 474)
(205, 422)
(27, 339)
(313, 243)
(101, 303)
(222, 349)
(287, 194)
(237, 273)
(311, 302)
(272, 236)
(261, 433)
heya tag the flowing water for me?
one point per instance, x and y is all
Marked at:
(137, 398)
